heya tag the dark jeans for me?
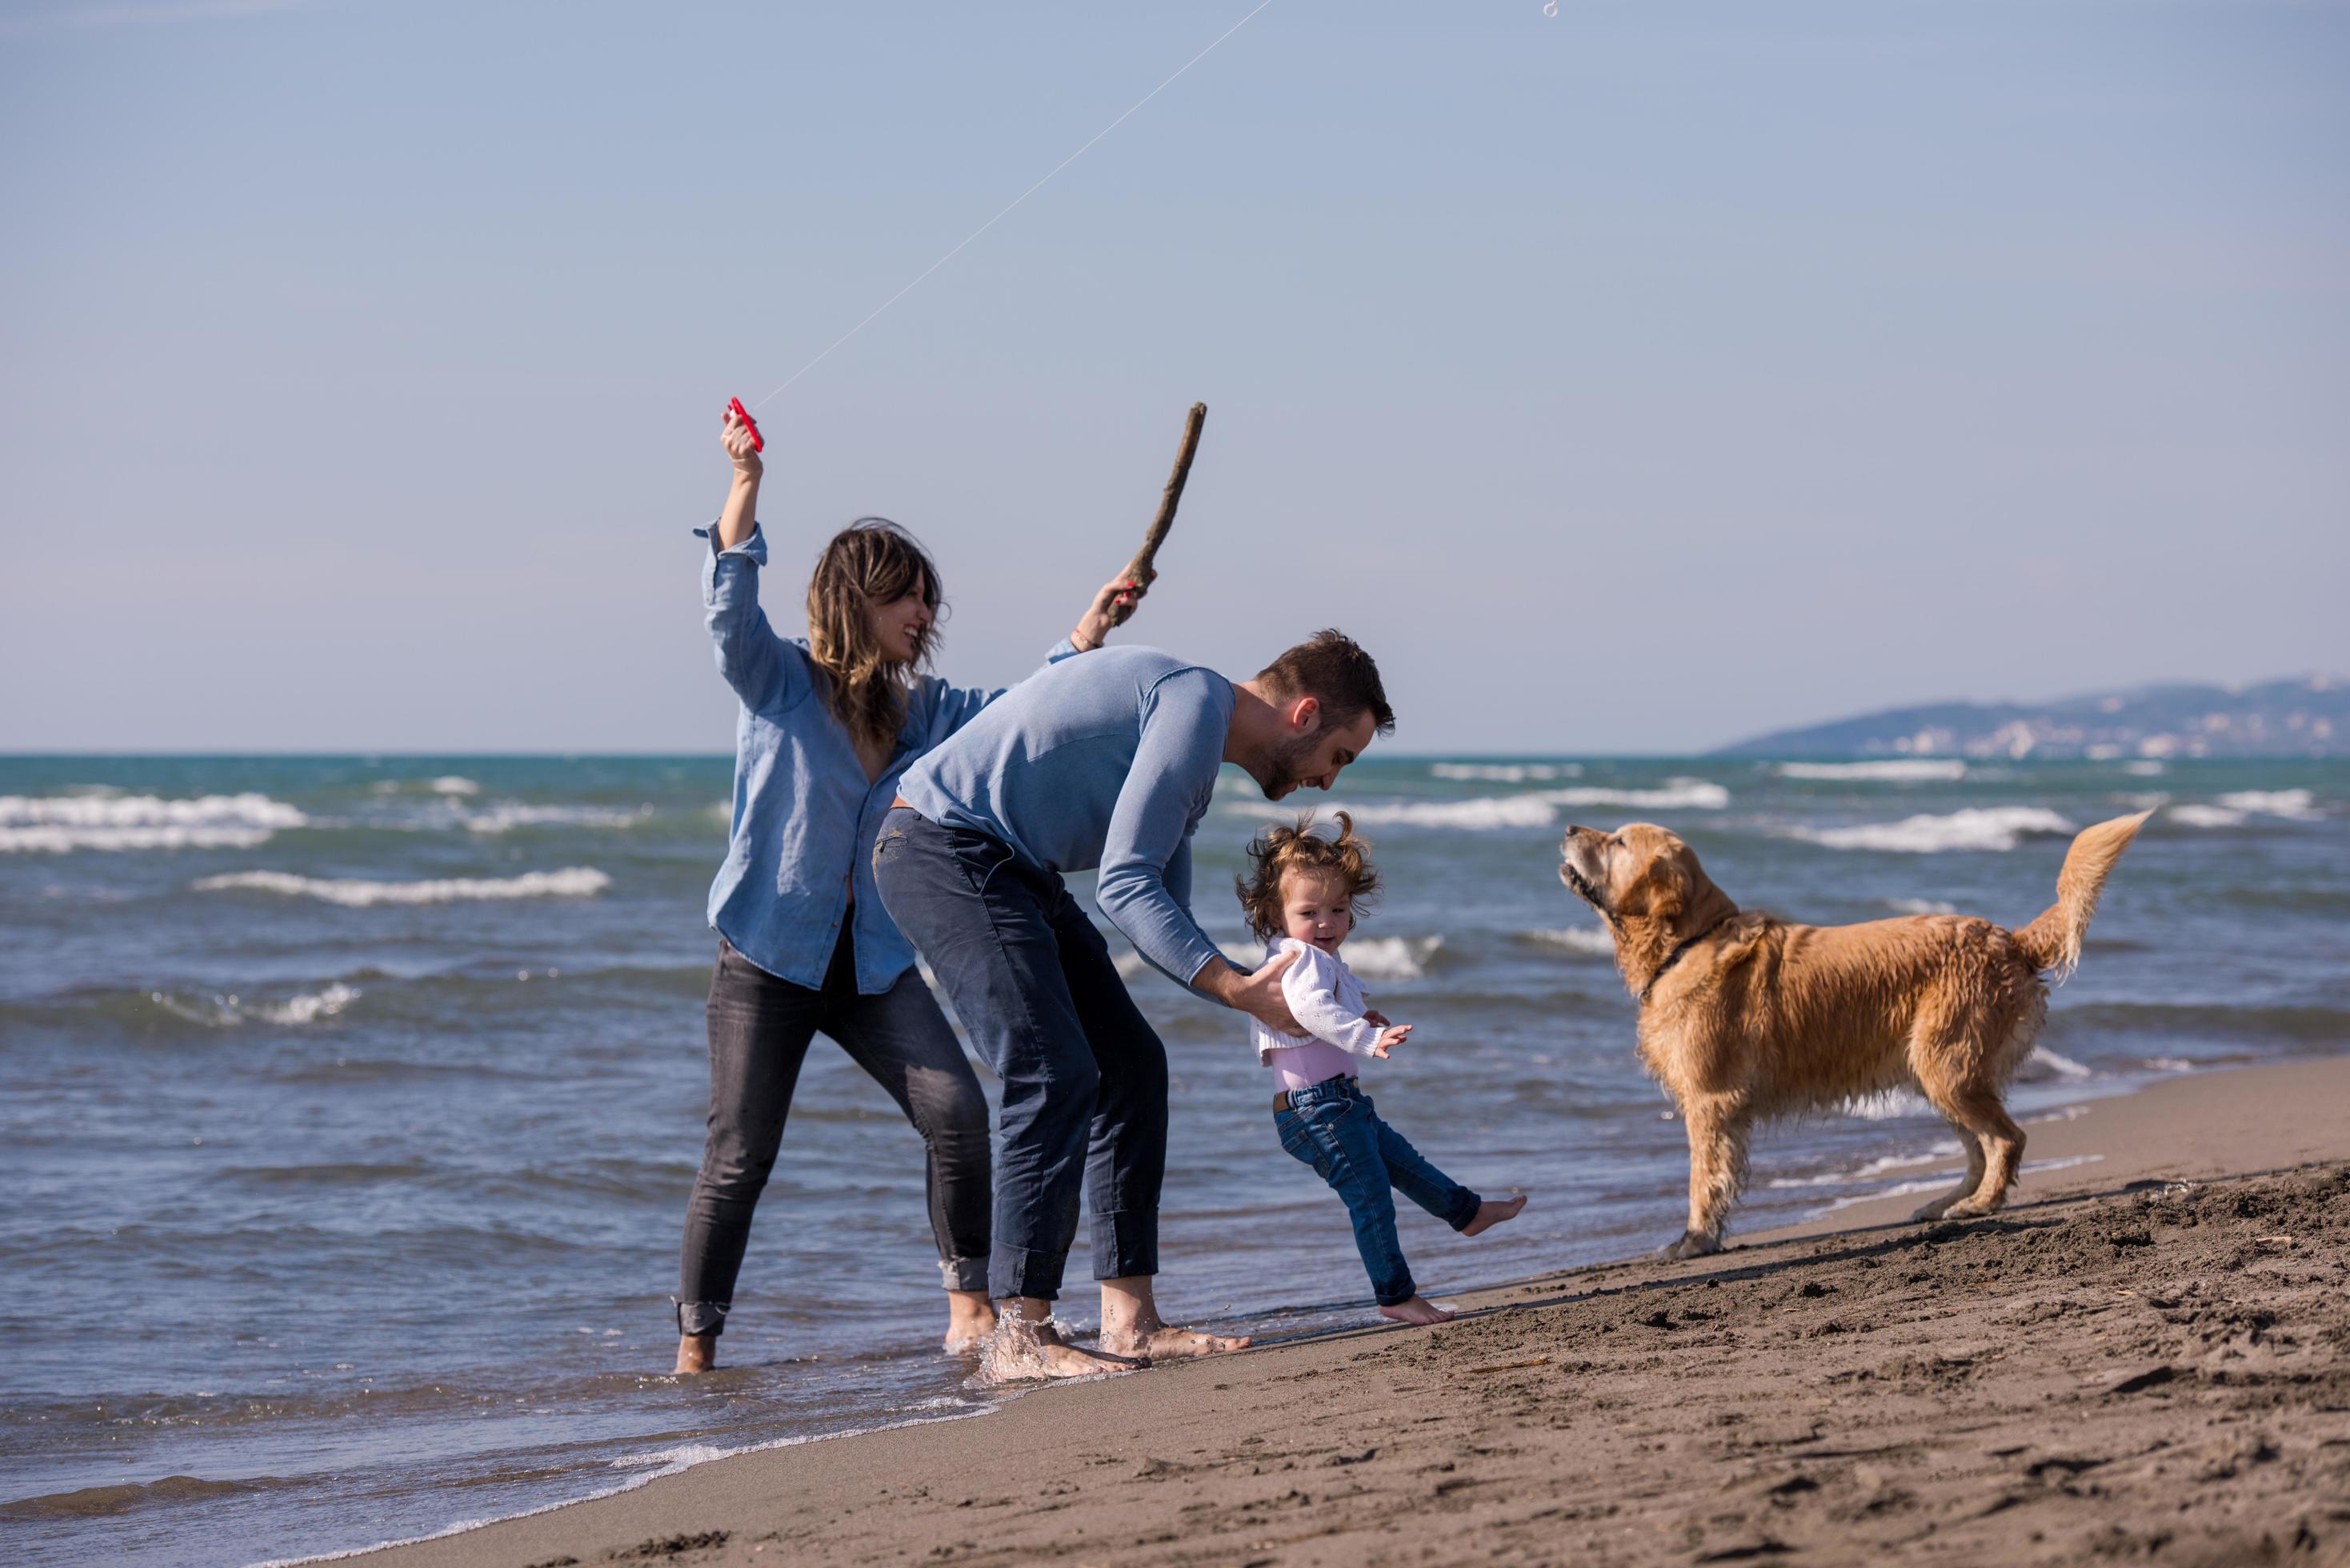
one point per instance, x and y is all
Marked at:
(759, 1031)
(1332, 1128)
(1085, 1079)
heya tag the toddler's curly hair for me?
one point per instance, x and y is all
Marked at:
(1278, 851)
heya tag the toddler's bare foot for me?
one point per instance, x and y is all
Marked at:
(696, 1353)
(1420, 1309)
(1169, 1343)
(1492, 1213)
(971, 1319)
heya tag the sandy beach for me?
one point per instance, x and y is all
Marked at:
(2141, 1359)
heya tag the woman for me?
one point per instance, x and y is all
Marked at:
(827, 724)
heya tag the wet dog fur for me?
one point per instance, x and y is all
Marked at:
(1743, 1015)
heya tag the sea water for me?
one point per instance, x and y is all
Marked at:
(351, 1104)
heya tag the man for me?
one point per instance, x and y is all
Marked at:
(1107, 761)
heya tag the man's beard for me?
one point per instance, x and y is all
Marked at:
(1286, 765)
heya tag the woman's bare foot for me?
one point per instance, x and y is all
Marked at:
(1490, 1213)
(696, 1353)
(1420, 1309)
(971, 1319)
(1130, 1325)
(1166, 1343)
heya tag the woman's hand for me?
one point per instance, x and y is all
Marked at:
(1113, 605)
(735, 437)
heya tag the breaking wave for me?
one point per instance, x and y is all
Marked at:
(1537, 808)
(509, 815)
(1390, 957)
(357, 893)
(226, 1012)
(1906, 769)
(1689, 794)
(58, 824)
(1506, 773)
(1590, 939)
(2296, 804)
(1982, 828)
(1482, 813)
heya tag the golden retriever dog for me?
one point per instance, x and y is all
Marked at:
(1743, 1015)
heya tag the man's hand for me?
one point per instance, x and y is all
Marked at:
(1113, 605)
(1390, 1036)
(1258, 994)
(735, 437)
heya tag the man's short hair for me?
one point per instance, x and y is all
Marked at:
(1333, 668)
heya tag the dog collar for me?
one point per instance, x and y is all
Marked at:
(1674, 957)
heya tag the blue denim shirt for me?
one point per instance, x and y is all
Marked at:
(805, 818)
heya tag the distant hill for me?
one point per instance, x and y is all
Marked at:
(2308, 716)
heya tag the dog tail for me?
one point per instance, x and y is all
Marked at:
(2054, 940)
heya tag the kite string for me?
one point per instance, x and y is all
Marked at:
(1024, 195)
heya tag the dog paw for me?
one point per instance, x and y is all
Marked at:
(1968, 1208)
(1689, 1245)
(1934, 1210)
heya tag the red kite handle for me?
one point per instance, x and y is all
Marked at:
(734, 406)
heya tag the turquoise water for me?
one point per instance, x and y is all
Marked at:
(351, 1104)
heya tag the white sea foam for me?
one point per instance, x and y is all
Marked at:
(1979, 827)
(1478, 814)
(1901, 769)
(649, 1467)
(310, 1007)
(1390, 957)
(2205, 817)
(57, 824)
(357, 893)
(1928, 1184)
(1506, 773)
(225, 1011)
(2296, 804)
(455, 784)
(1678, 794)
(1921, 907)
(1592, 939)
(506, 815)
(2143, 769)
(1870, 1170)
(1536, 808)
(2043, 1064)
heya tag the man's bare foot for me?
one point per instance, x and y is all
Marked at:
(1420, 1309)
(1166, 1343)
(1490, 1213)
(696, 1353)
(1024, 1349)
(971, 1319)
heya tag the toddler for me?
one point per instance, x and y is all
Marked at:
(1301, 899)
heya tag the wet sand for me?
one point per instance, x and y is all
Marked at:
(2145, 1357)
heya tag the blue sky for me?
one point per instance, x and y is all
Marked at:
(1629, 380)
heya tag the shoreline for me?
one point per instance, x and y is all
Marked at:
(1061, 1458)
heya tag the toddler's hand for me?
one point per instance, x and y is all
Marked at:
(1389, 1038)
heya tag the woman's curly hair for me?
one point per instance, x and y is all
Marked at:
(1278, 851)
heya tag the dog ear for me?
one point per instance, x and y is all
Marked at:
(1661, 890)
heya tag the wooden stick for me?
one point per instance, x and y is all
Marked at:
(1141, 569)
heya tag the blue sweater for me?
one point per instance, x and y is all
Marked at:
(804, 817)
(1106, 760)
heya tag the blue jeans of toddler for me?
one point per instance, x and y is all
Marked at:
(1332, 1126)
